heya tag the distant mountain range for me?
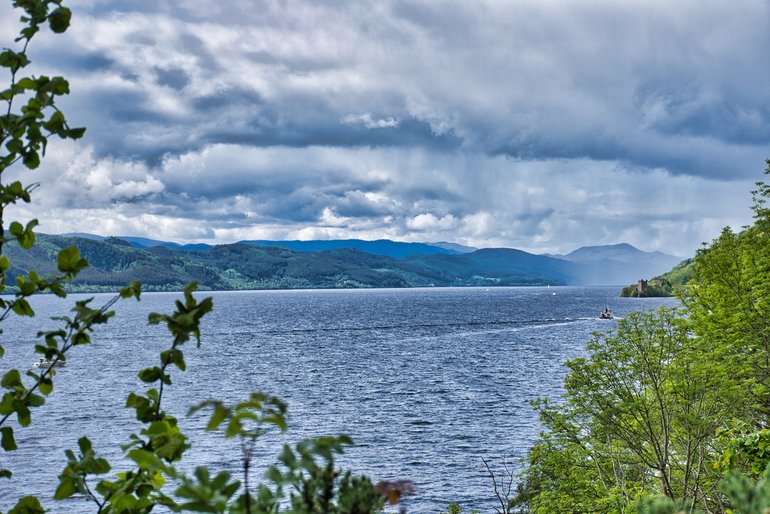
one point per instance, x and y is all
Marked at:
(395, 249)
(163, 265)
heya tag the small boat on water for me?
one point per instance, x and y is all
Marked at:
(606, 314)
(46, 364)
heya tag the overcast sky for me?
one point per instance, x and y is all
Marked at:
(537, 124)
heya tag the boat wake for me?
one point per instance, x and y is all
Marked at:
(449, 325)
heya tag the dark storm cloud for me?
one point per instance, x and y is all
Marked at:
(173, 78)
(68, 62)
(655, 85)
(325, 131)
(696, 111)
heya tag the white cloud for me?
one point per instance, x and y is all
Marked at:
(226, 193)
(429, 222)
(72, 176)
(367, 121)
(330, 218)
(480, 226)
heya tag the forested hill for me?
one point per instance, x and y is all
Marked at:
(115, 262)
(665, 284)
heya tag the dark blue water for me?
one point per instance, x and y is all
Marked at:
(426, 381)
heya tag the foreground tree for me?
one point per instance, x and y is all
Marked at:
(730, 305)
(671, 403)
(638, 418)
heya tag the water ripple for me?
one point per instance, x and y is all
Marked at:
(427, 382)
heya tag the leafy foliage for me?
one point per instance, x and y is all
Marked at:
(746, 496)
(305, 476)
(657, 415)
(636, 420)
(454, 508)
(24, 135)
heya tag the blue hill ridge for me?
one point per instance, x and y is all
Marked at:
(395, 249)
(360, 263)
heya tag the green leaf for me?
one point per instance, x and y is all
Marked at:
(46, 386)
(287, 457)
(150, 374)
(28, 505)
(15, 146)
(59, 86)
(55, 123)
(13, 60)
(23, 416)
(11, 379)
(26, 287)
(15, 190)
(217, 417)
(8, 442)
(85, 445)
(26, 83)
(59, 19)
(198, 506)
(57, 289)
(66, 489)
(69, 261)
(234, 427)
(24, 235)
(144, 459)
(144, 407)
(22, 307)
(31, 159)
(155, 318)
(175, 357)
(134, 289)
(76, 133)
(29, 31)
(274, 475)
(277, 420)
(35, 400)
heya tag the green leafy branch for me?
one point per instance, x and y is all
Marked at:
(159, 444)
(24, 134)
(246, 420)
(307, 470)
(19, 399)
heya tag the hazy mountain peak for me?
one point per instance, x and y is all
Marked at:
(622, 252)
